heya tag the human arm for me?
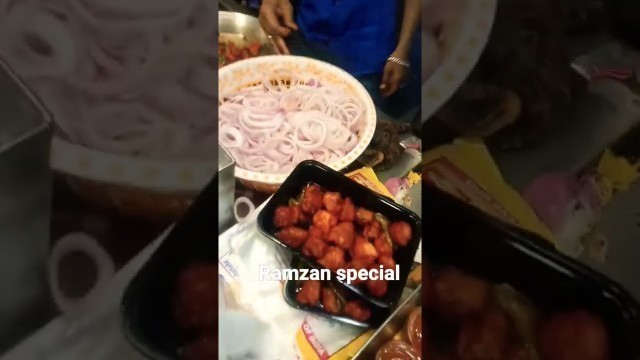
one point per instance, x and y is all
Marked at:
(276, 18)
(410, 22)
(395, 73)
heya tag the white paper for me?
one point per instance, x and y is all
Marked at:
(263, 301)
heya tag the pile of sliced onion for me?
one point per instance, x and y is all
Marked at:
(271, 127)
(125, 77)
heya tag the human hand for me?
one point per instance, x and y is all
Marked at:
(276, 18)
(394, 74)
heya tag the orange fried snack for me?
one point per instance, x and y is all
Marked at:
(400, 233)
(333, 259)
(309, 294)
(293, 236)
(342, 235)
(330, 301)
(357, 310)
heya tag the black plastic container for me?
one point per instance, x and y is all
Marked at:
(464, 237)
(314, 172)
(147, 304)
(378, 314)
(625, 22)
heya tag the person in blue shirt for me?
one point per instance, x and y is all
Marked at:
(370, 39)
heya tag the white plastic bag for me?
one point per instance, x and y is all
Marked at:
(290, 334)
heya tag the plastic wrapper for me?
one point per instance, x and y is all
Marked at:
(612, 61)
(399, 188)
(466, 170)
(242, 325)
(571, 204)
(396, 188)
(412, 142)
(568, 205)
(615, 174)
(368, 178)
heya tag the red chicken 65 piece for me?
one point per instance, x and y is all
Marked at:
(367, 241)
(355, 243)
(230, 51)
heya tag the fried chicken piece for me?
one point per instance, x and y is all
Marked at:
(348, 212)
(333, 202)
(342, 235)
(456, 295)
(377, 288)
(333, 258)
(364, 216)
(357, 310)
(315, 232)
(314, 247)
(311, 199)
(485, 338)
(363, 250)
(197, 285)
(282, 217)
(372, 230)
(324, 221)
(573, 335)
(357, 265)
(330, 301)
(400, 232)
(286, 216)
(296, 215)
(382, 245)
(305, 219)
(293, 236)
(309, 293)
(387, 262)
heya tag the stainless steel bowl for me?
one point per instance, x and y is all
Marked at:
(237, 27)
(226, 189)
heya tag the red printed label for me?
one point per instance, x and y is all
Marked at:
(314, 342)
(447, 177)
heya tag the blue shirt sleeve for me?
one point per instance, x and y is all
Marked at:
(253, 4)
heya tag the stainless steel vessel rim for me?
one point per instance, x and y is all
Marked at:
(45, 119)
(229, 160)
